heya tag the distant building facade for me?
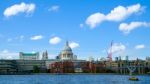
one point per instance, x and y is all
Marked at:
(67, 62)
(29, 56)
(8, 66)
(29, 65)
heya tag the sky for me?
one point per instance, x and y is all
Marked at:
(89, 25)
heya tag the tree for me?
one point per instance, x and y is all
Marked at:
(36, 69)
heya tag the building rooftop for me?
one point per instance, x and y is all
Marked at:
(29, 54)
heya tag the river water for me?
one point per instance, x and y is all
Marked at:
(71, 79)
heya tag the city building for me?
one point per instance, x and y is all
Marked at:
(8, 67)
(31, 66)
(29, 56)
(62, 67)
(147, 58)
(67, 62)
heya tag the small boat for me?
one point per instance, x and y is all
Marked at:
(133, 79)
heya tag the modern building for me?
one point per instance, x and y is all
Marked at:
(29, 56)
(31, 65)
(8, 66)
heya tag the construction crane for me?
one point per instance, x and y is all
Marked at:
(109, 52)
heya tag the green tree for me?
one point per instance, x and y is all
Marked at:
(36, 69)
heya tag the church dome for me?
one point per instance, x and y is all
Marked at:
(66, 53)
(67, 48)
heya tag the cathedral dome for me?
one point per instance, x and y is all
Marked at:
(67, 48)
(66, 53)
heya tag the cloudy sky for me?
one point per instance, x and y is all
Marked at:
(89, 25)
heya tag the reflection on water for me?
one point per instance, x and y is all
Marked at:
(71, 79)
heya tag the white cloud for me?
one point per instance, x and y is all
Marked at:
(126, 28)
(120, 13)
(38, 37)
(117, 14)
(55, 40)
(141, 46)
(54, 8)
(117, 47)
(19, 8)
(73, 45)
(5, 54)
(95, 19)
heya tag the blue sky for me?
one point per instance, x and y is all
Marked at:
(89, 25)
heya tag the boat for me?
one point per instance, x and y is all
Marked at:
(133, 79)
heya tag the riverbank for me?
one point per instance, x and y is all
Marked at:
(70, 74)
(83, 74)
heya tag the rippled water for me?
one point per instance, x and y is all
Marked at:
(71, 79)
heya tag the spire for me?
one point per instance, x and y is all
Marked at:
(67, 43)
(67, 47)
(46, 53)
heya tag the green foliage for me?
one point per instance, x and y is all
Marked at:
(36, 69)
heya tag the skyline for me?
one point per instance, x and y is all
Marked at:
(89, 26)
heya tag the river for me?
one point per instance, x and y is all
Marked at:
(72, 79)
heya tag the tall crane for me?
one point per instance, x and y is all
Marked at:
(110, 52)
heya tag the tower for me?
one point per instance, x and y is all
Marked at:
(45, 55)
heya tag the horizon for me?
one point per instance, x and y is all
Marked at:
(90, 26)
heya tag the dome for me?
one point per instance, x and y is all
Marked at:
(66, 53)
(67, 48)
